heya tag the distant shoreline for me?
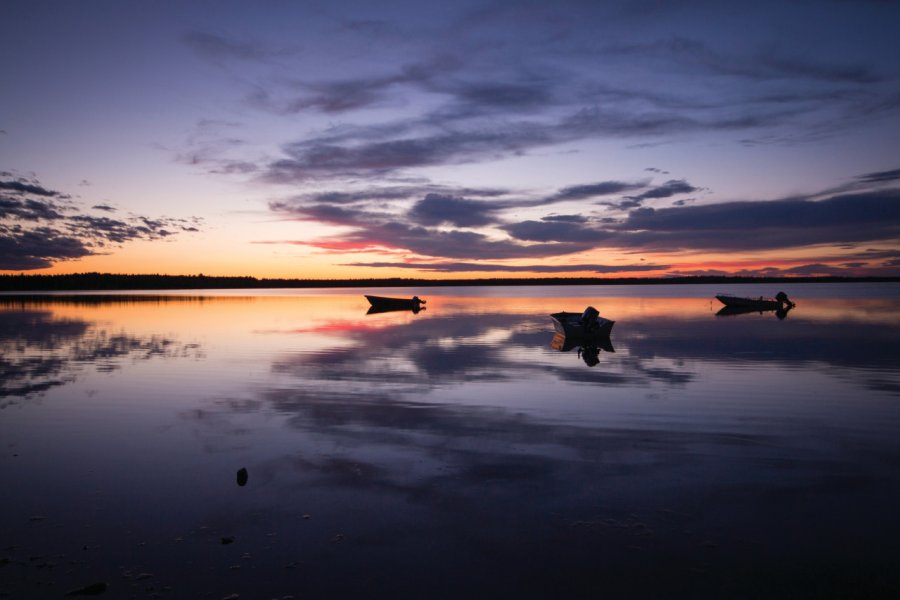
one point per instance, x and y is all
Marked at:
(113, 282)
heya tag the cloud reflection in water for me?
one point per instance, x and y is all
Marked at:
(455, 451)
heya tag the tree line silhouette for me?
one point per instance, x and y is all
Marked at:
(112, 281)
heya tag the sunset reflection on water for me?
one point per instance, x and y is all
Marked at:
(449, 452)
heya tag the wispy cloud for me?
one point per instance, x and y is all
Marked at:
(880, 177)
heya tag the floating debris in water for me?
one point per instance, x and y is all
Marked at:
(94, 589)
(242, 477)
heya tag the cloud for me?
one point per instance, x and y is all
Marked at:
(36, 231)
(434, 140)
(322, 158)
(29, 209)
(880, 176)
(768, 224)
(565, 218)
(429, 242)
(673, 187)
(732, 226)
(391, 220)
(436, 209)
(460, 112)
(332, 214)
(457, 267)
(668, 189)
(19, 186)
(345, 95)
(39, 248)
(459, 244)
(592, 190)
(550, 231)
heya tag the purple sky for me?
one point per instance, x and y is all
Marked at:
(361, 139)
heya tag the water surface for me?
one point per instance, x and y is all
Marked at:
(453, 452)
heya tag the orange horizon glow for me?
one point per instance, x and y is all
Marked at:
(310, 268)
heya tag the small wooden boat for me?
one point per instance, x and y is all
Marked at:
(384, 304)
(580, 325)
(780, 301)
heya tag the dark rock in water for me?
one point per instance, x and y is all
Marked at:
(94, 589)
(229, 539)
(242, 476)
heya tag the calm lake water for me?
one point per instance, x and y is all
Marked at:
(450, 453)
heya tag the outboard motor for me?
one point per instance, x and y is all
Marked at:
(589, 318)
(783, 298)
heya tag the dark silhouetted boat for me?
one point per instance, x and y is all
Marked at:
(745, 304)
(580, 325)
(383, 304)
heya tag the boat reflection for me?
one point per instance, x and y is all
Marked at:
(588, 348)
(374, 310)
(729, 311)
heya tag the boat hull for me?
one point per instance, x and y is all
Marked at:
(570, 325)
(384, 304)
(749, 303)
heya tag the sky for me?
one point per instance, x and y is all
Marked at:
(347, 139)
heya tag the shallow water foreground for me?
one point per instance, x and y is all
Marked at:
(454, 452)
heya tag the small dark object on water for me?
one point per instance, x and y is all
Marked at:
(228, 539)
(242, 477)
(94, 589)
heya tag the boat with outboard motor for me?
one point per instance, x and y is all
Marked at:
(587, 323)
(385, 304)
(780, 301)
